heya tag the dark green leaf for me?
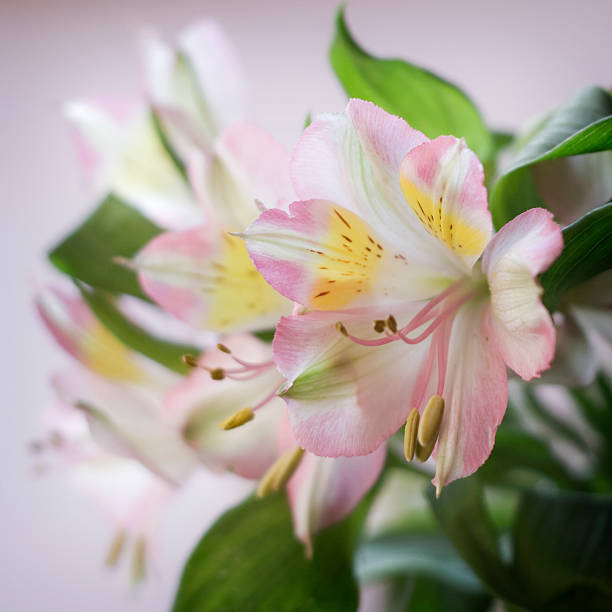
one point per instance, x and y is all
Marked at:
(583, 126)
(265, 335)
(435, 596)
(516, 450)
(135, 337)
(427, 102)
(587, 252)
(113, 230)
(250, 561)
(462, 515)
(562, 550)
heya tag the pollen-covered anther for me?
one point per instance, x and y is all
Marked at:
(116, 548)
(224, 349)
(429, 426)
(340, 327)
(139, 568)
(392, 324)
(217, 373)
(280, 471)
(379, 326)
(190, 360)
(237, 419)
(410, 434)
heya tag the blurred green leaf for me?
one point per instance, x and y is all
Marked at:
(250, 561)
(265, 335)
(138, 339)
(517, 450)
(563, 552)
(427, 102)
(426, 554)
(114, 229)
(587, 252)
(462, 515)
(433, 595)
(582, 126)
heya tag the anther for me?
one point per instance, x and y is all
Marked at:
(223, 348)
(392, 324)
(429, 426)
(424, 452)
(280, 472)
(115, 550)
(410, 434)
(190, 361)
(340, 327)
(237, 419)
(217, 374)
(379, 326)
(139, 560)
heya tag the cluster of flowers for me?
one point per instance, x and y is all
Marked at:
(369, 249)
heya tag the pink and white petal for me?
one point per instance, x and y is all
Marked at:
(218, 73)
(327, 258)
(324, 490)
(199, 405)
(258, 162)
(247, 165)
(204, 277)
(124, 420)
(337, 388)
(133, 163)
(79, 333)
(522, 326)
(443, 183)
(174, 95)
(475, 395)
(354, 159)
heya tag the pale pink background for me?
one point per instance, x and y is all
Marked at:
(516, 59)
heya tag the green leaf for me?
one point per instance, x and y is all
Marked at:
(166, 353)
(427, 102)
(562, 550)
(516, 450)
(427, 554)
(583, 126)
(250, 561)
(436, 596)
(587, 252)
(113, 230)
(265, 335)
(462, 515)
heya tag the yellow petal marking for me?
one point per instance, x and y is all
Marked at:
(239, 292)
(108, 357)
(351, 259)
(461, 237)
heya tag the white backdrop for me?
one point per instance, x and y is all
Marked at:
(515, 59)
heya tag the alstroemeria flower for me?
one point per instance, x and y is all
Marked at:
(136, 152)
(204, 276)
(130, 495)
(321, 490)
(199, 405)
(409, 296)
(76, 329)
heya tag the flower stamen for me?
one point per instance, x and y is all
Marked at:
(410, 434)
(237, 419)
(280, 472)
